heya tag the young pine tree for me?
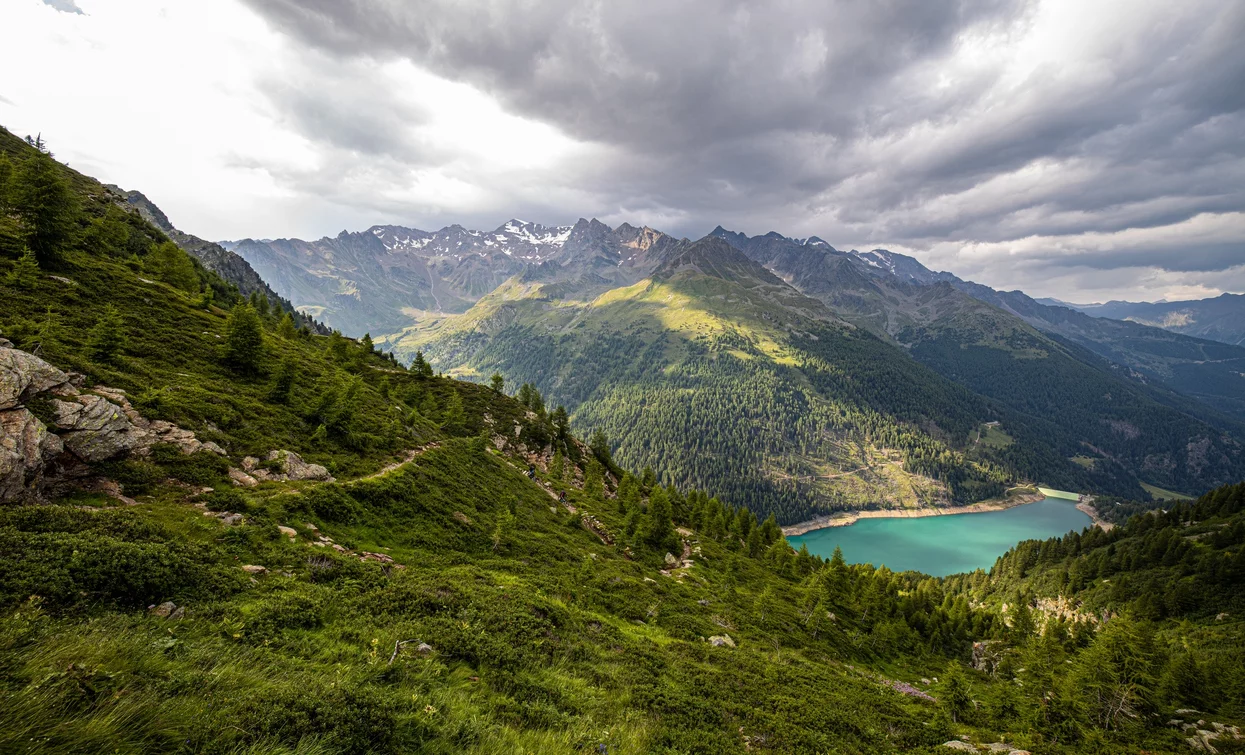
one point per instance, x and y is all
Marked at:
(283, 383)
(109, 235)
(454, 419)
(244, 340)
(497, 382)
(557, 468)
(594, 482)
(286, 329)
(956, 696)
(168, 263)
(105, 338)
(502, 528)
(25, 272)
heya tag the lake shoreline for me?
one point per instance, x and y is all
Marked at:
(845, 518)
(1099, 522)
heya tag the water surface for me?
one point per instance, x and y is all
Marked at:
(941, 545)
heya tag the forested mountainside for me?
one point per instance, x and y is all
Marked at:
(180, 572)
(724, 377)
(1060, 392)
(889, 293)
(1207, 370)
(1065, 416)
(1219, 319)
(216, 258)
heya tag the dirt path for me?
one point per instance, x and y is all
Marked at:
(407, 458)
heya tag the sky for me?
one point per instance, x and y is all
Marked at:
(1081, 150)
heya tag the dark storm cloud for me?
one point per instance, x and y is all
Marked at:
(867, 122)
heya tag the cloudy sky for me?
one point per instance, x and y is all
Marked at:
(1079, 149)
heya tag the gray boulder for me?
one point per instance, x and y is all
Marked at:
(294, 468)
(94, 428)
(24, 375)
(26, 447)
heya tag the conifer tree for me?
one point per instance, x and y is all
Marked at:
(207, 298)
(283, 383)
(428, 407)
(594, 483)
(660, 527)
(41, 198)
(557, 468)
(497, 382)
(109, 235)
(338, 347)
(454, 418)
(104, 340)
(524, 396)
(244, 341)
(819, 621)
(956, 697)
(765, 605)
(285, 328)
(561, 425)
(600, 446)
(47, 332)
(168, 263)
(24, 273)
(502, 528)
(420, 367)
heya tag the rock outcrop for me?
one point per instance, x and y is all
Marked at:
(280, 466)
(26, 450)
(68, 428)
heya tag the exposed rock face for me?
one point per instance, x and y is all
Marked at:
(26, 448)
(94, 428)
(23, 376)
(86, 427)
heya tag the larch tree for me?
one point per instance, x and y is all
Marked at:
(105, 338)
(47, 208)
(244, 339)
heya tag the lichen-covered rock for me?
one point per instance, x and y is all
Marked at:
(721, 640)
(294, 468)
(241, 479)
(26, 447)
(84, 427)
(24, 375)
(164, 610)
(94, 428)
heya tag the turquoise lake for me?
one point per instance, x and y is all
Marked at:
(942, 545)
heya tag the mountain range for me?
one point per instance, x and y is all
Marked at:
(630, 327)
(1220, 319)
